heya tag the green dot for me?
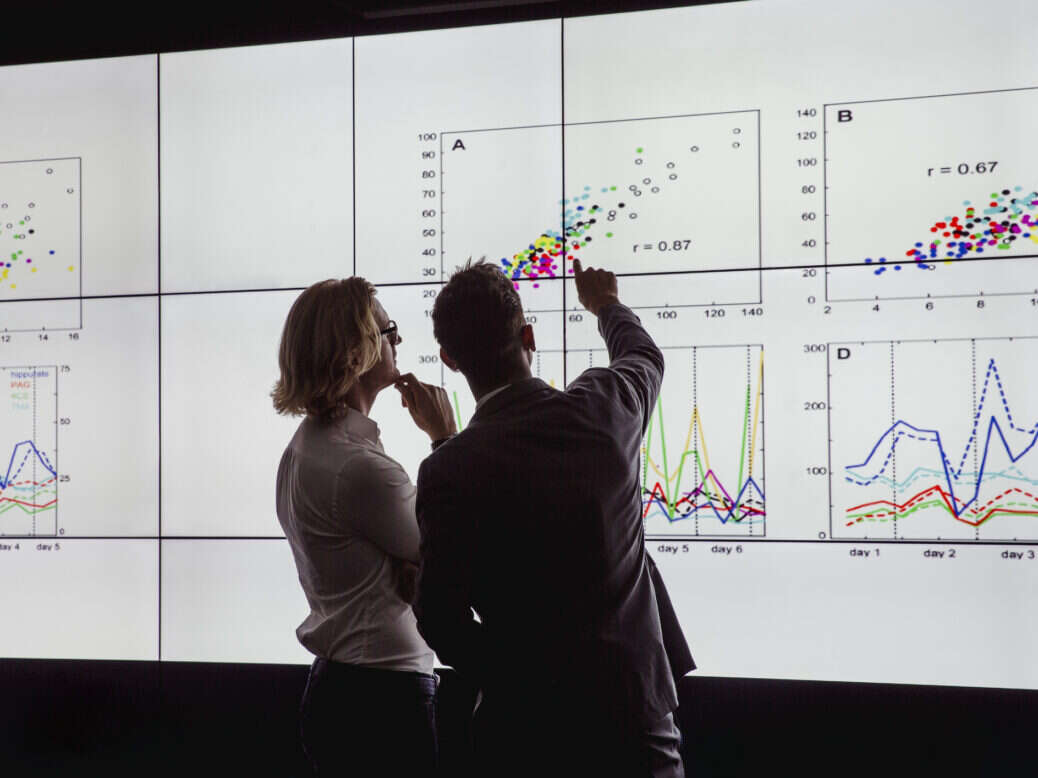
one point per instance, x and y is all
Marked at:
(21, 222)
(609, 234)
(639, 149)
(612, 189)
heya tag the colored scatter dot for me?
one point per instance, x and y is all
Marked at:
(52, 252)
(28, 261)
(70, 267)
(639, 150)
(868, 260)
(609, 234)
(21, 222)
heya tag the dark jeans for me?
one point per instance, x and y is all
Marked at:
(364, 721)
(546, 741)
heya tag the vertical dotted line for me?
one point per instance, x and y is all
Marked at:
(893, 445)
(35, 480)
(695, 436)
(642, 494)
(973, 414)
(746, 448)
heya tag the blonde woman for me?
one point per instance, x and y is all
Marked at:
(348, 511)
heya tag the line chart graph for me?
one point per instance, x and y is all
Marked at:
(29, 482)
(702, 459)
(935, 471)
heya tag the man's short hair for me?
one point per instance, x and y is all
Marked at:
(477, 317)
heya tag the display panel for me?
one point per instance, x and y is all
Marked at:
(825, 228)
(257, 186)
(78, 187)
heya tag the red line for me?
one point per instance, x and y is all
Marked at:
(947, 497)
(28, 504)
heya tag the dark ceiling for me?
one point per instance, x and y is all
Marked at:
(60, 29)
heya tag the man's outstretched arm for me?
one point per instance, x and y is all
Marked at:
(633, 355)
(443, 604)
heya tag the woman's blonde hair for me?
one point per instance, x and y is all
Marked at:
(330, 339)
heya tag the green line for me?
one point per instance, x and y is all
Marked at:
(936, 503)
(457, 410)
(742, 440)
(670, 494)
(666, 469)
(26, 509)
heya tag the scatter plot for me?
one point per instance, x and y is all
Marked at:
(40, 244)
(919, 197)
(641, 197)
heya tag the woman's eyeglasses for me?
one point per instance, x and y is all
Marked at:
(391, 331)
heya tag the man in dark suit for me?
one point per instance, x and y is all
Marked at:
(531, 517)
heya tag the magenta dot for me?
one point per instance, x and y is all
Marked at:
(28, 260)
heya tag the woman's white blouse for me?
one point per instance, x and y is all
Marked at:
(347, 509)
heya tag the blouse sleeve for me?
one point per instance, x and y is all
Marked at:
(375, 498)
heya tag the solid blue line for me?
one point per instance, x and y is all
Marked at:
(7, 478)
(949, 478)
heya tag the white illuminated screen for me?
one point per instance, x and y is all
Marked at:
(826, 220)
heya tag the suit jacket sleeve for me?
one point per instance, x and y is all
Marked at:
(443, 601)
(635, 362)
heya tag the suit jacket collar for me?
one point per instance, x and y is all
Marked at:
(514, 393)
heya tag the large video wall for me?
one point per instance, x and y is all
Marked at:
(824, 214)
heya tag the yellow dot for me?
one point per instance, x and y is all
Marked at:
(70, 268)
(14, 286)
(34, 270)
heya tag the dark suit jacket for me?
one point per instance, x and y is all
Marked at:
(531, 516)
